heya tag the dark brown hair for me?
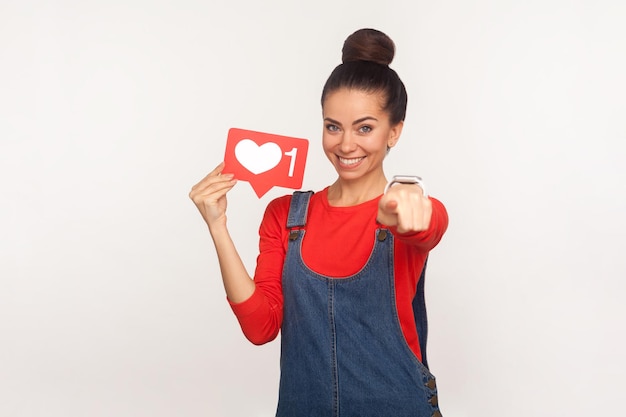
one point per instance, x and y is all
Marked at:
(366, 56)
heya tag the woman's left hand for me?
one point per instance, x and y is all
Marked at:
(405, 207)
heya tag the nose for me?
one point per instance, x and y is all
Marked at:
(348, 143)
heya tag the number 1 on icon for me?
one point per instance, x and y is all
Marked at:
(292, 164)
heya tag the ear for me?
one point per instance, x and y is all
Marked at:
(394, 134)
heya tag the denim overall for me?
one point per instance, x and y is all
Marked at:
(343, 351)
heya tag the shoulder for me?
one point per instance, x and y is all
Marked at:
(280, 205)
(277, 211)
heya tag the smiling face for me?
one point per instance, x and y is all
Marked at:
(357, 133)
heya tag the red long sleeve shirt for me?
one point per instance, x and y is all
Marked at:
(338, 243)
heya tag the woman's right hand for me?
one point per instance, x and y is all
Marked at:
(209, 196)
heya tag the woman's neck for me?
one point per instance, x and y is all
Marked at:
(345, 193)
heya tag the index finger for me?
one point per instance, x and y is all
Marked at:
(216, 171)
(391, 205)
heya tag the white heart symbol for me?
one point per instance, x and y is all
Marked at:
(258, 159)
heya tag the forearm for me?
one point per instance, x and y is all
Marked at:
(238, 284)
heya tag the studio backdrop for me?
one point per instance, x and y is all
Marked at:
(111, 301)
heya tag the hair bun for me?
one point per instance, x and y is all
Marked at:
(368, 45)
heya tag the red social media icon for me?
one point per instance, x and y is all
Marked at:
(265, 160)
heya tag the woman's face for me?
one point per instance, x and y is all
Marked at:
(357, 132)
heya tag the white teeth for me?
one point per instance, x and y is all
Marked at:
(350, 161)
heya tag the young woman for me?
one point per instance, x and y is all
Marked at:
(340, 272)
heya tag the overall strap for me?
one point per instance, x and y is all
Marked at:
(298, 209)
(419, 311)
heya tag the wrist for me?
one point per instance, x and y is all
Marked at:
(406, 179)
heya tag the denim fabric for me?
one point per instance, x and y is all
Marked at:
(343, 351)
(419, 312)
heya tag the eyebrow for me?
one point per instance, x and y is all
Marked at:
(356, 122)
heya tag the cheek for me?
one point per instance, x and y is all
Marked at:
(327, 141)
(376, 142)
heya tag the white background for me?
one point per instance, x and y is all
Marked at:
(111, 302)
